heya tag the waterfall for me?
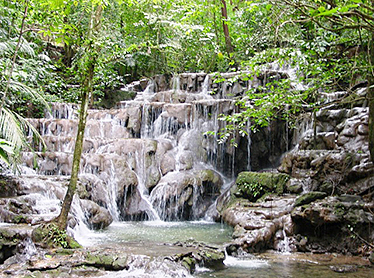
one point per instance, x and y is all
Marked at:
(284, 246)
(176, 83)
(205, 86)
(29, 249)
(154, 157)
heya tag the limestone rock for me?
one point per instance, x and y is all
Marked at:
(185, 194)
(256, 224)
(97, 217)
(252, 185)
(339, 220)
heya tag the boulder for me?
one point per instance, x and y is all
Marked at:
(186, 194)
(333, 224)
(253, 185)
(256, 224)
(97, 217)
(11, 239)
(134, 207)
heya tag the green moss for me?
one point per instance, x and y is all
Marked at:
(19, 219)
(307, 198)
(295, 189)
(64, 251)
(72, 243)
(8, 238)
(189, 263)
(92, 259)
(212, 258)
(253, 185)
(208, 175)
(327, 187)
(120, 263)
(339, 209)
(50, 236)
(107, 261)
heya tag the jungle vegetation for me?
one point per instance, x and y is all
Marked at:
(84, 50)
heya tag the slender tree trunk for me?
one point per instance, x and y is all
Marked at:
(371, 121)
(87, 88)
(62, 219)
(229, 47)
(371, 99)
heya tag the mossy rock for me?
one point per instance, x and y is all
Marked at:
(309, 197)
(209, 175)
(107, 261)
(8, 187)
(212, 258)
(9, 241)
(20, 218)
(253, 185)
(49, 235)
(189, 263)
(64, 252)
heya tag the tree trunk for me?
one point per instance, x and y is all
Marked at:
(87, 88)
(371, 99)
(229, 47)
(371, 117)
(63, 217)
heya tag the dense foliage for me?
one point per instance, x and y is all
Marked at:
(43, 43)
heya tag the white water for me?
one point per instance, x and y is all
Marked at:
(284, 246)
(29, 249)
(158, 138)
(245, 262)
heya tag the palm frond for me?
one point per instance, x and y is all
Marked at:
(26, 126)
(10, 128)
(5, 49)
(14, 130)
(8, 47)
(6, 151)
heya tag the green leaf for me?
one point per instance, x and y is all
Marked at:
(328, 12)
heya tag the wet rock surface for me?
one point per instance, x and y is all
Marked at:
(259, 226)
(12, 241)
(97, 217)
(92, 262)
(332, 225)
(331, 181)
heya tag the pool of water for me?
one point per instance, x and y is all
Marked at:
(285, 265)
(163, 232)
(157, 238)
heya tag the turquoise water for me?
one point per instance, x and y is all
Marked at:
(255, 268)
(159, 232)
(158, 238)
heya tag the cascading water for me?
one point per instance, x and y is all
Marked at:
(155, 157)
